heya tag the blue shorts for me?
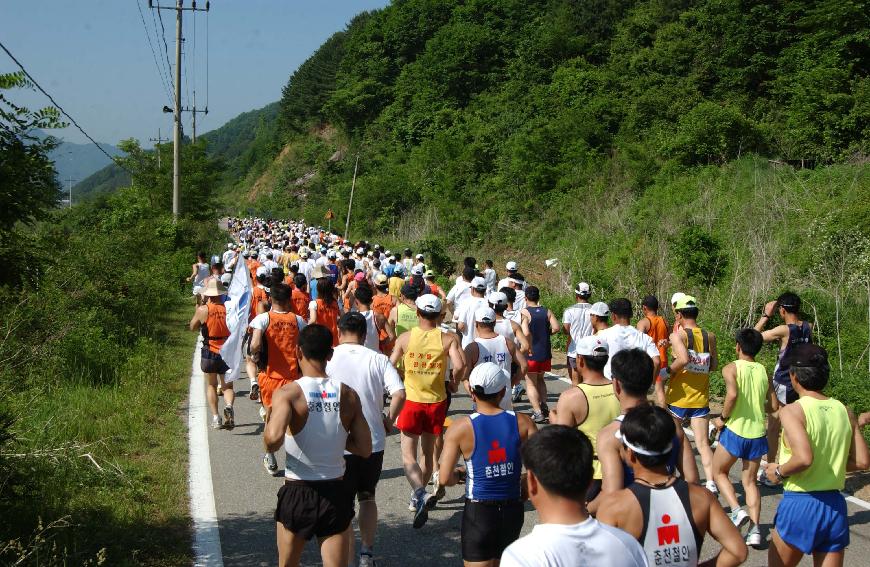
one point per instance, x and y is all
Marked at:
(688, 413)
(741, 447)
(813, 521)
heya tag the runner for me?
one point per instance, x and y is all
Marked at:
(590, 405)
(558, 462)
(489, 440)
(667, 515)
(259, 297)
(434, 288)
(509, 329)
(742, 430)
(300, 299)
(383, 303)
(490, 347)
(316, 418)
(403, 317)
(369, 374)
(325, 310)
(599, 317)
(273, 347)
(793, 331)
(464, 314)
(462, 288)
(489, 276)
(512, 270)
(375, 321)
(688, 380)
(576, 324)
(621, 335)
(424, 351)
(396, 281)
(210, 319)
(199, 272)
(538, 323)
(820, 443)
(656, 327)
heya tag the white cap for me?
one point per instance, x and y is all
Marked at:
(226, 278)
(330, 254)
(428, 303)
(478, 283)
(262, 271)
(591, 346)
(360, 251)
(419, 256)
(511, 266)
(600, 309)
(484, 315)
(676, 297)
(418, 270)
(229, 246)
(498, 298)
(489, 377)
(387, 253)
(583, 289)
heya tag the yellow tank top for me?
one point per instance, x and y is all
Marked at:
(395, 286)
(830, 433)
(690, 387)
(603, 408)
(406, 319)
(747, 418)
(425, 362)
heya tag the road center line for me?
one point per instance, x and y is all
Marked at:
(206, 536)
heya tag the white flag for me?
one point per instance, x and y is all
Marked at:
(238, 308)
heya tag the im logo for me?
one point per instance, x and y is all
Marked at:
(668, 534)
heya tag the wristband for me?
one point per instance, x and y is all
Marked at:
(779, 474)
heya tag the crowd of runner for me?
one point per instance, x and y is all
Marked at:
(347, 341)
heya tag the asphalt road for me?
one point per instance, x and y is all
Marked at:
(245, 497)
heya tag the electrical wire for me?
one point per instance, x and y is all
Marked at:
(165, 45)
(167, 71)
(154, 55)
(206, 60)
(64, 112)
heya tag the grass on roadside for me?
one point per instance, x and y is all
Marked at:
(107, 465)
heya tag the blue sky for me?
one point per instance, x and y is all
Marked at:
(94, 58)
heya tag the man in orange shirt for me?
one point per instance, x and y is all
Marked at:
(300, 298)
(657, 328)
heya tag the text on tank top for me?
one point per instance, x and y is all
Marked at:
(830, 432)
(215, 331)
(494, 466)
(327, 315)
(495, 350)
(669, 535)
(425, 362)
(603, 408)
(539, 325)
(300, 301)
(406, 319)
(797, 334)
(317, 451)
(690, 387)
(658, 331)
(282, 337)
(748, 417)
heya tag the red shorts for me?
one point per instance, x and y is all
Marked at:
(540, 366)
(417, 417)
(268, 387)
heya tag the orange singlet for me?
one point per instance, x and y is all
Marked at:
(658, 331)
(299, 300)
(327, 315)
(215, 331)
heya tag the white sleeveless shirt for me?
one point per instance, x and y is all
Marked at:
(317, 452)
(496, 350)
(504, 328)
(372, 341)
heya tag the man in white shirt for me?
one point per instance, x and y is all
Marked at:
(558, 461)
(576, 324)
(369, 373)
(461, 289)
(306, 266)
(512, 270)
(490, 277)
(622, 335)
(464, 315)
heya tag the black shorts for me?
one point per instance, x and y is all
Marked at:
(362, 475)
(321, 509)
(488, 528)
(212, 363)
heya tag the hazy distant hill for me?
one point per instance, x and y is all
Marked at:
(78, 161)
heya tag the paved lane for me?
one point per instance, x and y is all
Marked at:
(245, 497)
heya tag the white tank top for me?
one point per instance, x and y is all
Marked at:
(202, 272)
(504, 328)
(317, 452)
(495, 350)
(372, 341)
(669, 534)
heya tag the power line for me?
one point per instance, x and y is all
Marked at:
(167, 71)
(165, 46)
(60, 108)
(154, 55)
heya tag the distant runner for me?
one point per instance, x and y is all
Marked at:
(538, 323)
(211, 319)
(576, 324)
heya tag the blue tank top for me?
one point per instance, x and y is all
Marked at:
(493, 471)
(539, 325)
(797, 334)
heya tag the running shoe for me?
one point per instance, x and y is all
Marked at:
(753, 536)
(216, 422)
(711, 486)
(366, 560)
(421, 513)
(738, 517)
(255, 392)
(263, 413)
(517, 393)
(270, 463)
(440, 490)
(539, 417)
(229, 417)
(412, 504)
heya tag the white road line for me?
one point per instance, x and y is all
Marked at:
(206, 536)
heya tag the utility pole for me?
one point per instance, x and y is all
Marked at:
(157, 141)
(195, 111)
(70, 181)
(176, 150)
(350, 203)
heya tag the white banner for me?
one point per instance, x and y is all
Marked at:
(238, 308)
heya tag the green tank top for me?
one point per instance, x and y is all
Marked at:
(748, 417)
(406, 319)
(830, 433)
